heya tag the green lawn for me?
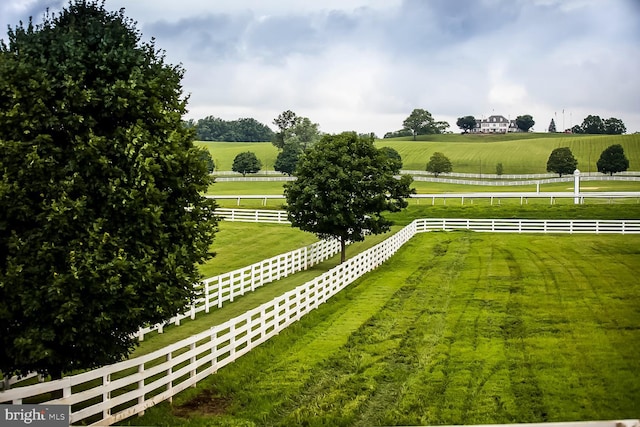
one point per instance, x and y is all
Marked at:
(480, 154)
(423, 187)
(239, 244)
(457, 328)
(519, 153)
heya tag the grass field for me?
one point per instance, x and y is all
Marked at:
(457, 328)
(519, 153)
(423, 187)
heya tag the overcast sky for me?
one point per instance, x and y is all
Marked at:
(365, 65)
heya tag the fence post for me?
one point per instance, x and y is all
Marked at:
(192, 362)
(106, 379)
(206, 297)
(576, 187)
(141, 387)
(168, 373)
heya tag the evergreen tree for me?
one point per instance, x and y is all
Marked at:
(552, 126)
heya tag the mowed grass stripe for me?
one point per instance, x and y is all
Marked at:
(457, 328)
(518, 153)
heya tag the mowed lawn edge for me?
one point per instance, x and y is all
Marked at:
(457, 328)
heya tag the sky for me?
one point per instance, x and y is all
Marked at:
(364, 65)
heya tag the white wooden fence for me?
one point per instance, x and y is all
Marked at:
(215, 291)
(250, 215)
(112, 393)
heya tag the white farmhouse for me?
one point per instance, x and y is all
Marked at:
(495, 124)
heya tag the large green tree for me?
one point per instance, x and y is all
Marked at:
(439, 163)
(592, 124)
(284, 122)
(525, 122)
(466, 123)
(287, 159)
(344, 184)
(102, 221)
(614, 126)
(613, 160)
(420, 122)
(246, 162)
(303, 133)
(561, 161)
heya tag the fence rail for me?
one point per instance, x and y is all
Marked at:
(112, 393)
(215, 291)
(250, 215)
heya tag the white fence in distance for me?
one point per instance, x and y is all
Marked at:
(112, 393)
(250, 215)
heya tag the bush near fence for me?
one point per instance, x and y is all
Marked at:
(112, 393)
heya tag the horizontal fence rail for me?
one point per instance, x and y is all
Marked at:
(579, 197)
(250, 215)
(276, 174)
(215, 291)
(501, 183)
(112, 393)
(530, 226)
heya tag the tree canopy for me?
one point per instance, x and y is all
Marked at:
(102, 221)
(613, 126)
(393, 155)
(552, 126)
(242, 130)
(295, 130)
(466, 123)
(593, 124)
(613, 160)
(525, 122)
(439, 163)
(561, 161)
(344, 184)
(287, 159)
(420, 122)
(205, 156)
(245, 163)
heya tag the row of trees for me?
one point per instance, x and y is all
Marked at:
(242, 130)
(612, 160)
(561, 161)
(595, 125)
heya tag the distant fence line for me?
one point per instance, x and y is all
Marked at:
(579, 198)
(110, 394)
(481, 179)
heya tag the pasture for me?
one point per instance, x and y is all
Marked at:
(457, 328)
(519, 153)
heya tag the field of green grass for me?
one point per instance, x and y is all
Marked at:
(518, 153)
(457, 328)
(422, 187)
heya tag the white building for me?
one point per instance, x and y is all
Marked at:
(495, 124)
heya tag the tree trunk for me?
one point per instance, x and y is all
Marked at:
(342, 250)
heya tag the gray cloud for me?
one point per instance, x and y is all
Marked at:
(364, 64)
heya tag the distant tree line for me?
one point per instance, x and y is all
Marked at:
(242, 130)
(595, 125)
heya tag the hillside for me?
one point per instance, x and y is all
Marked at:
(519, 153)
